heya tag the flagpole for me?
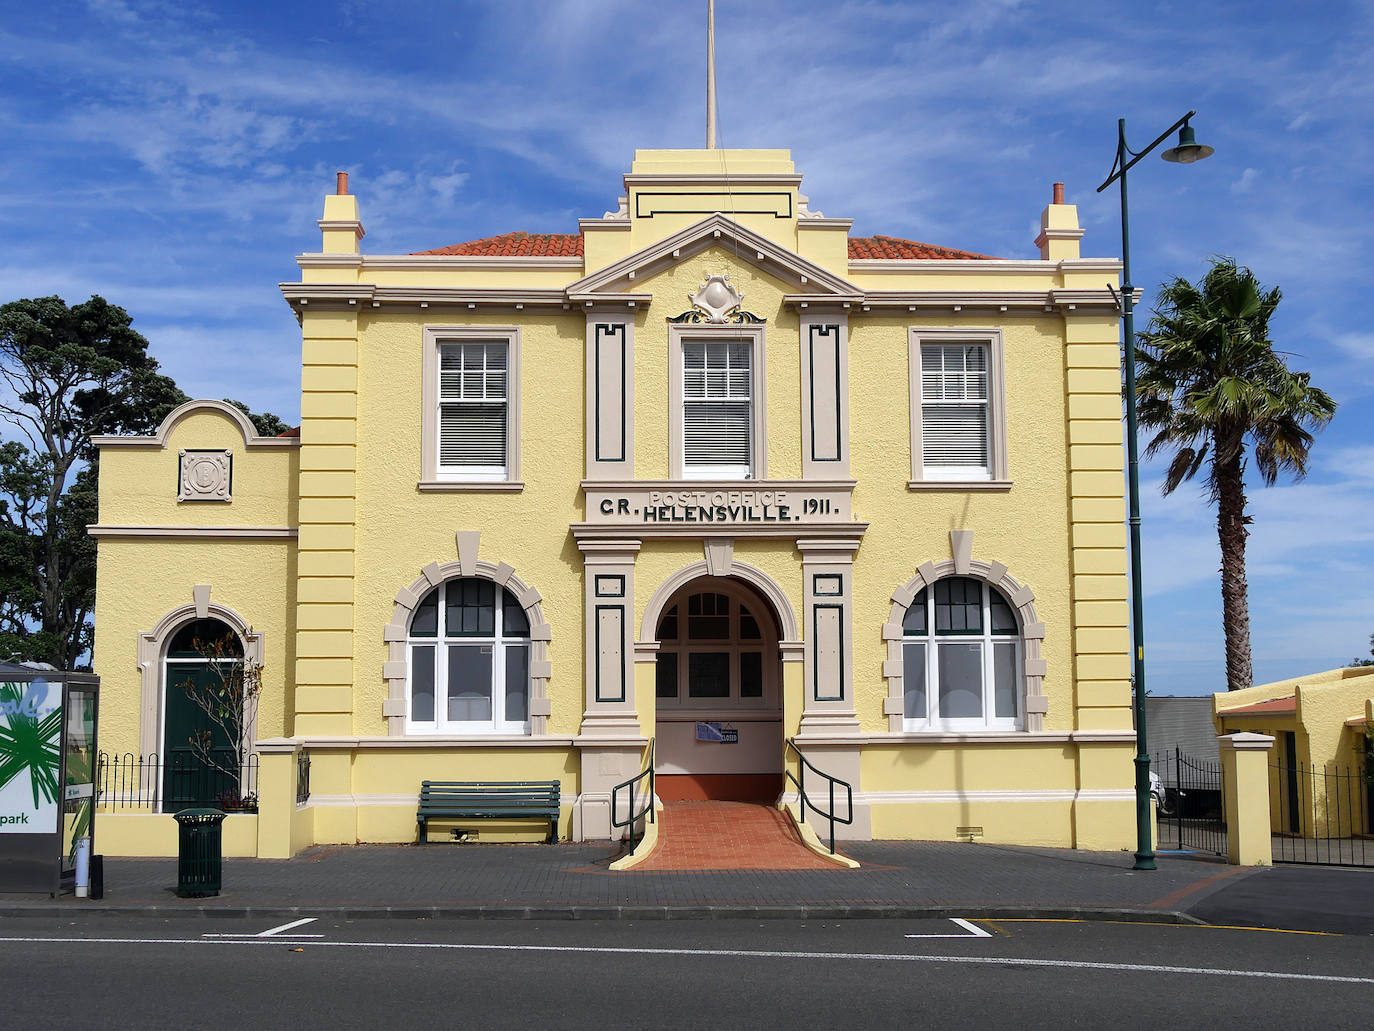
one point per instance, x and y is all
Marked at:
(710, 74)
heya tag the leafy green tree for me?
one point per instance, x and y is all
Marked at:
(267, 424)
(71, 373)
(1215, 391)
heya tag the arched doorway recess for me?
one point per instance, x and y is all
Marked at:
(718, 693)
(201, 662)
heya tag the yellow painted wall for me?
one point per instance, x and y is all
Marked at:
(366, 531)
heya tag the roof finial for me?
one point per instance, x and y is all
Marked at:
(710, 74)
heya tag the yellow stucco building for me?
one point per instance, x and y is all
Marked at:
(710, 472)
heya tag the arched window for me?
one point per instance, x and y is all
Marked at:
(469, 661)
(712, 648)
(961, 659)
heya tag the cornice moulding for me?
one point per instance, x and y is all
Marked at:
(620, 225)
(327, 224)
(754, 248)
(632, 179)
(786, 531)
(714, 485)
(158, 441)
(263, 533)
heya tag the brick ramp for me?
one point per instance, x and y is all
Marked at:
(728, 836)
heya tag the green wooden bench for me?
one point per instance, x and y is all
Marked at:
(499, 799)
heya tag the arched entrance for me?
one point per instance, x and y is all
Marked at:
(719, 694)
(199, 666)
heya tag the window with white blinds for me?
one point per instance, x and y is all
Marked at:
(473, 409)
(955, 425)
(717, 408)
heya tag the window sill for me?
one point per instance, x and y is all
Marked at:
(950, 486)
(470, 486)
(412, 740)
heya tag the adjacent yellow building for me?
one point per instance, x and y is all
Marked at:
(710, 472)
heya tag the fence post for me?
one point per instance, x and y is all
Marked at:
(1245, 784)
(276, 796)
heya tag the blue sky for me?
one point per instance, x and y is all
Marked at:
(173, 157)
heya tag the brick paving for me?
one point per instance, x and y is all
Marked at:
(729, 836)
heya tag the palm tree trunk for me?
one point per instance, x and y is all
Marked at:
(1235, 603)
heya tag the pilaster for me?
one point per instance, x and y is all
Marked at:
(611, 740)
(828, 659)
(1097, 534)
(328, 492)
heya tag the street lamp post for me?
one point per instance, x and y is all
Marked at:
(1186, 152)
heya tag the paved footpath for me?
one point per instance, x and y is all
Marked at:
(896, 879)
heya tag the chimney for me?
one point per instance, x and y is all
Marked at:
(341, 227)
(1058, 188)
(1059, 232)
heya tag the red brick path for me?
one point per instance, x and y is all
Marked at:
(729, 836)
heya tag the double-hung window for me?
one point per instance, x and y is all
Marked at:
(469, 661)
(954, 410)
(470, 396)
(957, 418)
(717, 409)
(473, 409)
(961, 659)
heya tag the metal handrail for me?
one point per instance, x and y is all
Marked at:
(806, 764)
(629, 785)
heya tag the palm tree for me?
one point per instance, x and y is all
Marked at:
(1212, 385)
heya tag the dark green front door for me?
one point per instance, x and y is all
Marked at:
(188, 781)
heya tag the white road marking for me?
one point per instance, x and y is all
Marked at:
(862, 957)
(272, 932)
(974, 931)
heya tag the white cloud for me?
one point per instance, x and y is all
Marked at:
(1246, 182)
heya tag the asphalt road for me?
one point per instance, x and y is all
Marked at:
(224, 973)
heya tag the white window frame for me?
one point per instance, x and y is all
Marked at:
(758, 443)
(499, 643)
(683, 647)
(932, 721)
(433, 476)
(996, 473)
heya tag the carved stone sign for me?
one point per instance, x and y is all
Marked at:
(716, 505)
(206, 476)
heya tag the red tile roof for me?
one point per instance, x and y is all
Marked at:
(519, 245)
(1275, 706)
(294, 431)
(892, 247)
(569, 245)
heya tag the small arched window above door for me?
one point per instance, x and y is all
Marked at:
(713, 650)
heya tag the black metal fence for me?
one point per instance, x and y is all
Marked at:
(302, 778)
(1321, 814)
(1192, 811)
(148, 782)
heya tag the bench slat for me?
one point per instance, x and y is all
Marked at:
(477, 799)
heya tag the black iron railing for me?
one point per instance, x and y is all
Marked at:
(302, 778)
(150, 782)
(1321, 814)
(633, 813)
(1196, 789)
(830, 815)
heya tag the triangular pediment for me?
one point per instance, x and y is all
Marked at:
(788, 267)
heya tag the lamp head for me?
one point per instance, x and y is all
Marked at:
(1188, 149)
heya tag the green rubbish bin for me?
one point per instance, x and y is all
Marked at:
(200, 856)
